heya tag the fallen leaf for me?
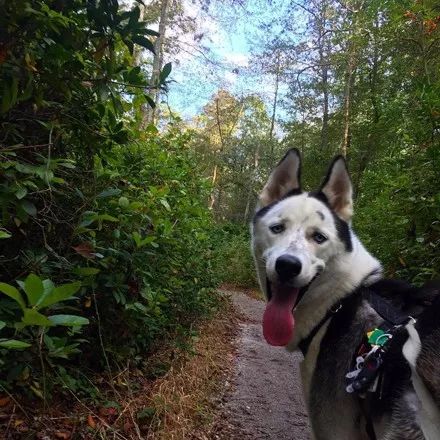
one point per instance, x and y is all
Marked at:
(85, 249)
(4, 401)
(105, 412)
(127, 427)
(64, 435)
(18, 422)
(91, 421)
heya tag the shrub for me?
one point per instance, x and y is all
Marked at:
(234, 262)
(398, 213)
(115, 232)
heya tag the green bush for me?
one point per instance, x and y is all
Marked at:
(143, 253)
(234, 262)
(108, 239)
(398, 212)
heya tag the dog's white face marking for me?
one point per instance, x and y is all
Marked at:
(300, 226)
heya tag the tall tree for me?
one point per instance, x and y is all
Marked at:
(152, 111)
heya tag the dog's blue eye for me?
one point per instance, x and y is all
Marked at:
(319, 238)
(277, 229)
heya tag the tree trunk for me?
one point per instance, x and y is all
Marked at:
(215, 173)
(137, 50)
(349, 82)
(253, 179)
(152, 114)
(325, 116)
(274, 108)
(373, 134)
(349, 79)
(213, 181)
(323, 62)
(275, 99)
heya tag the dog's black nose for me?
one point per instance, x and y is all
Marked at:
(287, 267)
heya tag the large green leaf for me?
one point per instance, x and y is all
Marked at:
(20, 193)
(33, 317)
(13, 293)
(86, 271)
(144, 42)
(109, 192)
(48, 286)
(165, 73)
(29, 207)
(4, 234)
(150, 101)
(34, 288)
(68, 320)
(59, 293)
(13, 344)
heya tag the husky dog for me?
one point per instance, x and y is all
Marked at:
(317, 277)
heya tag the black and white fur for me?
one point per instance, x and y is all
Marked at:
(341, 267)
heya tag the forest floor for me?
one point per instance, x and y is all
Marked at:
(230, 385)
(264, 395)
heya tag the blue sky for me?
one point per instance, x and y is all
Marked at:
(197, 76)
(228, 35)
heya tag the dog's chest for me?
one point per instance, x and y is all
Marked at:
(323, 373)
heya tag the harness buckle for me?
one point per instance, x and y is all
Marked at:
(335, 309)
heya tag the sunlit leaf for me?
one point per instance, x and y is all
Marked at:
(60, 293)
(34, 288)
(4, 234)
(14, 344)
(68, 320)
(13, 293)
(33, 317)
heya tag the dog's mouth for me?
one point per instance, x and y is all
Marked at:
(278, 320)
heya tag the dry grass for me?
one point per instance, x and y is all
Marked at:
(253, 292)
(184, 399)
(179, 405)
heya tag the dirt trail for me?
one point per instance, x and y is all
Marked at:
(265, 398)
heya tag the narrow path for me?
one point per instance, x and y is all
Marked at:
(265, 399)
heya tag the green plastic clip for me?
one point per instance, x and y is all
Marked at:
(377, 337)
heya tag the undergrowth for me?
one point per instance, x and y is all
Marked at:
(106, 254)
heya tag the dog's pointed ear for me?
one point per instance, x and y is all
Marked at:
(283, 179)
(338, 189)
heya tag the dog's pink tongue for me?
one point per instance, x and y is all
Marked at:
(278, 322)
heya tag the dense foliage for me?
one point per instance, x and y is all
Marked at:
(105, 234)
(358, 78)
(115, 231)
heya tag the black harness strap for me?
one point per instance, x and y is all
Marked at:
(391, 315)
(388, 312)
(304, 344)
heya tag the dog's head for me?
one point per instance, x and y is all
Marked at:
(296, 235)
